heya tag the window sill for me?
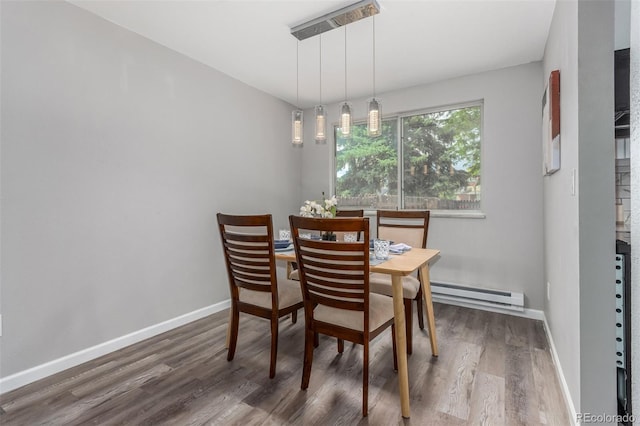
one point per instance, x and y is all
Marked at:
(475, 214)
(453, 214)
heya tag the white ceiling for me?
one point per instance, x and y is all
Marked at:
(417, 41)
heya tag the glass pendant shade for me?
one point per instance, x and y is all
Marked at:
(345, 120)
(374, 118)
(321, 124)
(296, 127)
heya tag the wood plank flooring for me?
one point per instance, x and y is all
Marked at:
(493, 369)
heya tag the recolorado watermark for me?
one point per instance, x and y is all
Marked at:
(604, 418)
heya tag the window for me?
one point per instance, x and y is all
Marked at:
(427, 160)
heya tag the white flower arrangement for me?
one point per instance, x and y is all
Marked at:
(325, 208)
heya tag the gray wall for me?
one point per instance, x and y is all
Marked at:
(116, 155)
(579, 228)
(503, 250)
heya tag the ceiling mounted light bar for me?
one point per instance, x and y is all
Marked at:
(336, 19)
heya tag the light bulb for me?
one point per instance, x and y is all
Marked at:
(345, 120)
(374, 123)
(345, 124)
(296, 127)
(321, 125)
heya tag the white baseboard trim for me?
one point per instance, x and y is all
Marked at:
(526, 313)
(563, 382)
(38, 372)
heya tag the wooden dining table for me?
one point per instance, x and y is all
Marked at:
(398, 266)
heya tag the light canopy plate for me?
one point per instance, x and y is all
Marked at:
(338, 18)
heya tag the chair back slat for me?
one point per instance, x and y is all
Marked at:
(319, 265)
(240, 237)
(333, 281)
(249, 253)
(333, 273)
(315, 249)
(326, 291)
(250, 263)
(350, 213)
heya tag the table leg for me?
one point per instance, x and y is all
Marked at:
(401, 344)
(289, 269)
(425, 282)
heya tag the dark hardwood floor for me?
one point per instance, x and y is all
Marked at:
(493, 369)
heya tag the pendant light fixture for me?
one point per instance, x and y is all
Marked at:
(374, 112)
(345, 109)
(297, 117)
(341, 17)
(321, 117)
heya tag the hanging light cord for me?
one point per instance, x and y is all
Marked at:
(297, 74)
(374, 54)
(345, 63)
(320, 69)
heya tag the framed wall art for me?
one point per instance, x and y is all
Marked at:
(551, 124)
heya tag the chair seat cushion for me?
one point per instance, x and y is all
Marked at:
(289, 293)
(380, 311)
(381, 284)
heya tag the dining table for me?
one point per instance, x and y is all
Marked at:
(399, 265)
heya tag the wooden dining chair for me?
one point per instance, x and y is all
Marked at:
(411, 228)
(334, 276)
(257, 287)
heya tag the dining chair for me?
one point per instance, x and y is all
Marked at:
(257, 287)
(409, 227)
(334, 277)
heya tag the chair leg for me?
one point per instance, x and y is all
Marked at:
(226, 343)
(340, 346)
(233, 338)
(274, 346)
(419, 307)
(233, 330)
(395, 354)
(365, 380)
(408, 321)
(309, 337)
(316, 340)
(294, 317)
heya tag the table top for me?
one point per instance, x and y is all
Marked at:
(406, 263)
(398, 264)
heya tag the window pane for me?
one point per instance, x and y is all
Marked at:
(441, 160)
(367, 168)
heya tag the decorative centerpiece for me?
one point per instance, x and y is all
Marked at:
(325, 208)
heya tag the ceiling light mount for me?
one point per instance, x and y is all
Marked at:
(338, 18)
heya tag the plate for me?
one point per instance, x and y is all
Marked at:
(281, 244)
(286, 248)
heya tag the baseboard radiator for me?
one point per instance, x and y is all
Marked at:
(458, 294)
